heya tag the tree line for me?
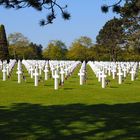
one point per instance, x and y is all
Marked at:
(112, 45)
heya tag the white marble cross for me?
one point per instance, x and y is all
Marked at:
(81, 74)
(62, 72)
(40, 69)
(19, 65)
(103, 76)
(57, 67)
(105, 69)
(128, 67)
(19, 72)
(124, 71)
(46, 73)
(53, 70)
(132, 74)
(109, 70)
(119, 76)
(7, 68)
(4, 72)
(56, 77)
(66, 71)
(35, 74)
(113, 73)
(99, 75)
(31, 71)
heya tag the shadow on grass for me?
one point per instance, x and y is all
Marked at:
(70, 122)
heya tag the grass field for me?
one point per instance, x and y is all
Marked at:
(73, 112)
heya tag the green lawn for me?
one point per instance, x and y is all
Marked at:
(73, 112)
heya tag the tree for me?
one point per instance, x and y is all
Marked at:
(56, 50)
(111, 36)
(85, 41)
(127, 8)
(99, 53)
(18, 39)
(129, 12)
(79, 49)
(17, 45)
(31, 51)
(4, 54)
(38, 49)
(40, 5)
(130, 16)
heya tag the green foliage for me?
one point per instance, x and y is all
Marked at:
(126, 8)
(4, 54)
(77, 52)
(21, 48)
(112, 36)
(85, 41)
(32, 51)
(129, 12)
(18, 46)
(130, 9)
(56, 50)
(79, 49)
(101, 53)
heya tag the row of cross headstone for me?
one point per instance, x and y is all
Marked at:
(120, 69)
(7, 68)
(63, 69)
(59, 70)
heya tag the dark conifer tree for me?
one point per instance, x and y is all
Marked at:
(4, 55)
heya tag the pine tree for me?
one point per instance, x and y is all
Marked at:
(4, 55)
(111, 36)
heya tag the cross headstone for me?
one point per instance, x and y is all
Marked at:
(66, 71)
(19, 72)
(46, 73)
(7, 68)
(109, 70)
(35, 74)
(19, 65)
(128, 67)
(62, 72)
(56, 77)
(40, 69)
(99, 75)
(53, 70)
(31, 71)
(57, 67)
(113, 73)
(81, 74)
(124, 71)
(4, 72)
(103, 76)
(119, 76)
(132, 74)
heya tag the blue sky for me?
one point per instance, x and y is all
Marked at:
(86, 20)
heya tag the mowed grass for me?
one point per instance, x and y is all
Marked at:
(73, 112)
